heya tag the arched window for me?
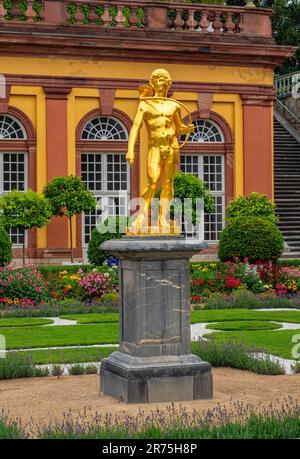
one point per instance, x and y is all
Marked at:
(13, 162)
(104, 128)
(203, 156)
(206, 131)
(11, 128)
(104, 168)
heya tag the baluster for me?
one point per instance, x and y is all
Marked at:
(179, 22)
(230, 25)
(239, 27)
(204, 22)
(218, 24)
(191, 22)
(2, 12)
(285, 85)
(290, 84)
(79, 14)
(30, 13)
(133, 19)
(106, 16)
(120, 18)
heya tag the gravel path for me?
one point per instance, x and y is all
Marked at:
(49, 398)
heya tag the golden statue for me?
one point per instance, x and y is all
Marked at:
(163, 120)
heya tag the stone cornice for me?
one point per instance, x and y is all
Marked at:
(146, 46)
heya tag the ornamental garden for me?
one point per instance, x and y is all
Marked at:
(63, 320)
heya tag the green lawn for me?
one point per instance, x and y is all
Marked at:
(243, 325)
(24, 322)
(65, 335)
(222, 315)
(275, 342)
(94, 354)
(92, 318)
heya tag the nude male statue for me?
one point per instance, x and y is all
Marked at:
(162, 117)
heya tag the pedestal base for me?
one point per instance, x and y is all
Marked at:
(155, 379)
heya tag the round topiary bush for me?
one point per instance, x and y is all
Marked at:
(5, 247)
(113, 229)
(254, 205)
(254, 238)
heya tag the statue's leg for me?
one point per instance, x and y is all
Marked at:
(154, 165)
(169, 168)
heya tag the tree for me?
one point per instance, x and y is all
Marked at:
(24, 210)
(5, 247)
(188, 186)
(285, 25)
(69, 196)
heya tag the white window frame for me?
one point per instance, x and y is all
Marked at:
(3, 192)
(104, 192)
(200, 232)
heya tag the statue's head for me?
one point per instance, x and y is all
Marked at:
(160, 80)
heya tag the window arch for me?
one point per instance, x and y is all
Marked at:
(17, 152)
(206, 155)
(104, 128)
(206, 131)
(101, 161)
(11, 128)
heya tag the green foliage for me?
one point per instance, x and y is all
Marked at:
(8, 6)
(85, 11)
(192, 187)
(37, 8)
(140, 14)
(254, 238)
(244, 325)
(63, 335)
(126, 11)
(113, 12)
(99, 10)
(243, 299)
(110, 229)
(24, 209)
(235, 355)
(286, 29)
(285, 24)
(241, 422)
(25, 284)
(57, 370)
(72, 9)
(69, 196)
(5, 247)
(254, 205)
(16, 365)
(279, 342)
(23, 5)
(76, 369)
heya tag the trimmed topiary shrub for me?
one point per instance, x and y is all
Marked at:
(5, 247)
(254, 205)
(114, 227)
(254, 238)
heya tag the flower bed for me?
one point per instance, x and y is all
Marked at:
(269, 279)
(70, 290)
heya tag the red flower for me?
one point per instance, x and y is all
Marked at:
(200, 281)
(210, 282)
(231, 282)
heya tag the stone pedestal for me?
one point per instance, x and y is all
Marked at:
(154, 363)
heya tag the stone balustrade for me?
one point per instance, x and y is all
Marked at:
(159, 16)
